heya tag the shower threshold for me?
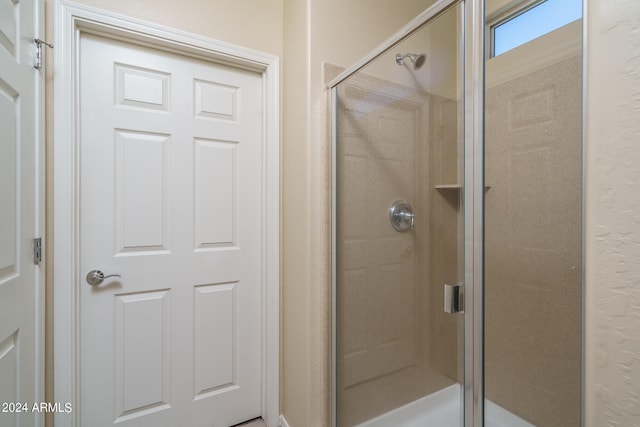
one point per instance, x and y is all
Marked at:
(442, 409)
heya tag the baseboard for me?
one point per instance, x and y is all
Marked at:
(283, 421)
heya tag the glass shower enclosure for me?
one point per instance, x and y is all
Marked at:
(399, 231)
(457, 269)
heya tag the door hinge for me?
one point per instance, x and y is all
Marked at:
(39, 56)
(37, 250)
(454, 298)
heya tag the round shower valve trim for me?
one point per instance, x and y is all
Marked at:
(401, 215)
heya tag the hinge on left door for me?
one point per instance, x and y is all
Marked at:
(37, 250)
(39, 60)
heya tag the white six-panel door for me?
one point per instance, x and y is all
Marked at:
(21, 287)
(170, 199)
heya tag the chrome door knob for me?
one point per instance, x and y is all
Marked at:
(96, 277)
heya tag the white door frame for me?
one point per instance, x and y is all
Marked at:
(70, 20)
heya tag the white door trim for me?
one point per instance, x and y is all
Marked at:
(70, 20)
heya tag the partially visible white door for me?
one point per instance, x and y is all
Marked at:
(21, 309)
(170, 199)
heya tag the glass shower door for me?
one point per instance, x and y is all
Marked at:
(533, 288)
(399, 233)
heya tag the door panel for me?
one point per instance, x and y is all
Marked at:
(142, 341)
(214, 184)
(214, 350)
(170, 199)
(21, 310)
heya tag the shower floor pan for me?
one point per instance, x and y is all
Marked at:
(442, 409)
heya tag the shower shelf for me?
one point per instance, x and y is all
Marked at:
(447, 187)
(454, 187)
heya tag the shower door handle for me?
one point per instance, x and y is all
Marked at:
(454, 298)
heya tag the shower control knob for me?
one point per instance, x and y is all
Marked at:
(401, 216)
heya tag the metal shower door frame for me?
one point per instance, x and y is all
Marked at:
(474, 39)
(472, 33)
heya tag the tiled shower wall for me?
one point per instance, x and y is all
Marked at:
(533, 244)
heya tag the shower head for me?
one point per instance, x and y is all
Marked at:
(417, 59)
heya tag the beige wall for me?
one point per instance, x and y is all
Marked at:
(613, 214)
(253, 24)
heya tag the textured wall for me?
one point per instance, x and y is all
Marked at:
(613, 214)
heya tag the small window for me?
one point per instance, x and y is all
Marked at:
(519, 26)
